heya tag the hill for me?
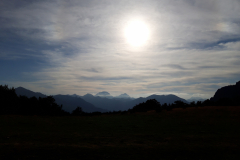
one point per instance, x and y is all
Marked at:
(231, 91)
(25, 92)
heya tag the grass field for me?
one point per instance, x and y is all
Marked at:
(192, 133)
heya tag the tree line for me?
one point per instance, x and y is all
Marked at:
(153, 104)
(10, 103)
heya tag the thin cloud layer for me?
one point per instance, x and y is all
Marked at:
(79, 46)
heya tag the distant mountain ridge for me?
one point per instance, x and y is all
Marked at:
(91, 103)
(102, 103)
(69, 102)
(108, 95)
(104, 94)
(110, 104)
(168, 99)
(124, 95)
(116, 104)
(196, 99)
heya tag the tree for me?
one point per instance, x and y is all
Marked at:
(8, 100)
(77, 112)
(151, 104)
(199, 103)
(192, 104)
(10, 103)
(180, 104)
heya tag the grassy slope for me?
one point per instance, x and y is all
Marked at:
(193, 133)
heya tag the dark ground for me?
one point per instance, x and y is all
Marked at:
(193, 133)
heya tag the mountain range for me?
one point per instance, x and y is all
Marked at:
(101, 102)
(125, 104)
(68, 102)
(104, 102)
(104, 94)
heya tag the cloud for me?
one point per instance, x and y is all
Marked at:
(175, 66)
(232, 45)
(81, 43)
(211, 67)
(92, 70)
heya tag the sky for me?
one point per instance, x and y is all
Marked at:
(189, 48)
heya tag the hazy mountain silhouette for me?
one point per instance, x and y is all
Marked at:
(75, 95)
(125, 95)
(90, 103)
(196, 99)
(168, 99)
(105, 103)
(117, 104)
(104, 94)
(69, 102)
(231, 91)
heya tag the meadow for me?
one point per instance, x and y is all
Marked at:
(211, 132)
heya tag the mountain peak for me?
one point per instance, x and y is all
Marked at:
(124, 95)
(74, 95)
(103, 94)
(25, 92)
(88, 95)
(20, 88)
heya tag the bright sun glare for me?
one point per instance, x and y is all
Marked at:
(137, 33)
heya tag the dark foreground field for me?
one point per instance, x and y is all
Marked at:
(192, 133)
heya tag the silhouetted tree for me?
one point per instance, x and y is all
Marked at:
(208, 103)
(192, 104)
(180, 104)
(77, 112)
(8, 100)
(199, 103)
(169, 107)
(151, 104)
(97, 113)
(10, 103)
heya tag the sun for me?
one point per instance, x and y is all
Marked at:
(136, 33)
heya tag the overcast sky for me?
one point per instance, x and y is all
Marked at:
(80, 46)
